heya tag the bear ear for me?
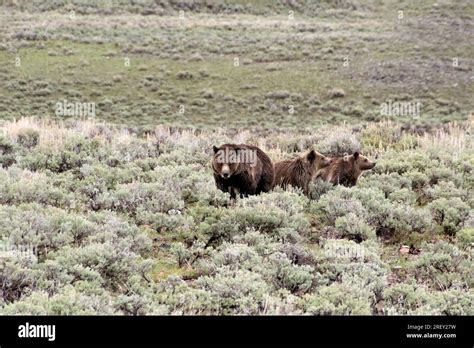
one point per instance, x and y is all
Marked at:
(311, 156)
(215, 148)
(356, 155)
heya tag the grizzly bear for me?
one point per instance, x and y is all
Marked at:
(242, 170)
(345, 170)
(300, 171)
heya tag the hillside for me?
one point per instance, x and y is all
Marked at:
(270, 64)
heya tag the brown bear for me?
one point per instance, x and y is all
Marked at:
(242, 170)
(300, 171)
(345, 170)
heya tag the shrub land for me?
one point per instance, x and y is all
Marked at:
(116, 223)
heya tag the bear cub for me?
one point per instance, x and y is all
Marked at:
(300, 171)
(346, 170)
(242, 170)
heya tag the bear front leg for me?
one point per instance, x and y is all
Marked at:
(232, 192)
(251, 189)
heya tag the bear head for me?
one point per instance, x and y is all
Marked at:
(317, 160)
(226, 161)
(360, 163)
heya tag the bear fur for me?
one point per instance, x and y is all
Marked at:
(345, 170)
(242, 170)
(300, 171)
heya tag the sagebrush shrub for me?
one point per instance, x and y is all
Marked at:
(370, 206)
(339, 144)
(7, 152)
(353, 227)
(450, 214)
(28, 138)
(338, 299)
(444, 266)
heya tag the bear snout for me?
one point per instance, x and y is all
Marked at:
(225, 171)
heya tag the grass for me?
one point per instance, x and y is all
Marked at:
(190, 63)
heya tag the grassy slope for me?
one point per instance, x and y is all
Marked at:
(83, 60)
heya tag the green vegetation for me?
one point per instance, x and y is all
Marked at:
(233, 64)
(119, 214)
(125, 224)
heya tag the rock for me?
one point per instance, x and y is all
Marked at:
(404, 249)
(337, 93)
